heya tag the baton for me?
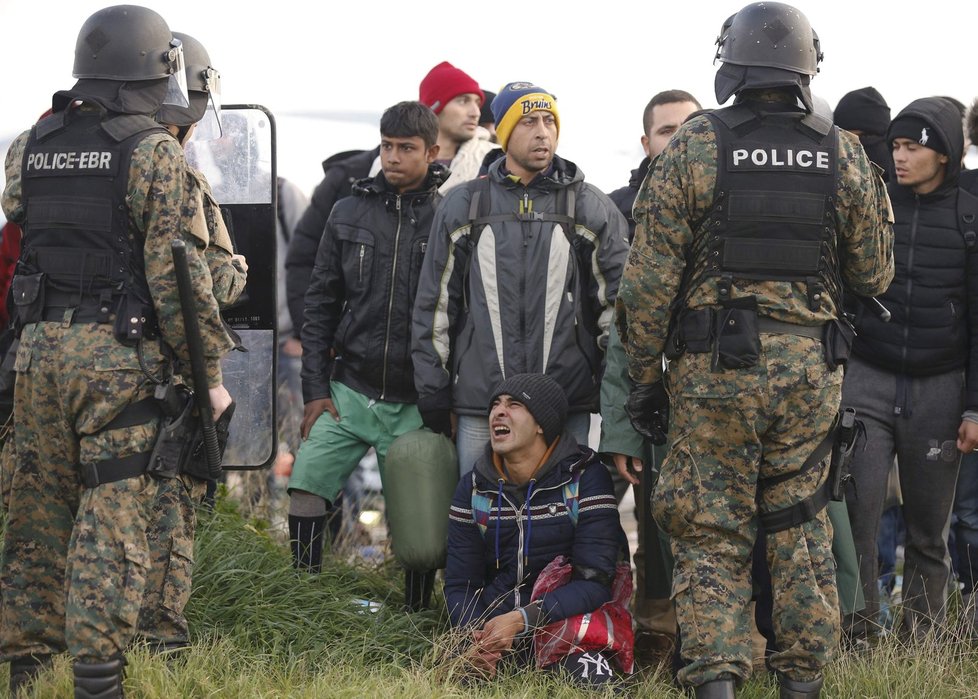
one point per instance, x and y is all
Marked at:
(195, 348)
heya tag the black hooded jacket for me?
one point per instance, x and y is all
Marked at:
(341, 170)
(624, 197)
(358, 307)
(933, 298)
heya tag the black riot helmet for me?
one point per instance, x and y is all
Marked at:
(770, 34)
(204, 88)
(128, 43)
(767, 44)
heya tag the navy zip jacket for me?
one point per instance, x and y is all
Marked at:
(491, 570)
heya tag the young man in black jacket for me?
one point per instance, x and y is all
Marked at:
(914, 380)
(357, 376)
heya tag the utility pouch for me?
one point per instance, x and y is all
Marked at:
(28, 294)
(849, 431)
(197, 463)
(737, 343)
(837, 339)
(131, 318)
(696, 330)
(176, 438)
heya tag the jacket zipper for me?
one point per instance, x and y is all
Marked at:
(390, 301)
(519, 528)
(526, 210)
(906, 321)
(360, 272)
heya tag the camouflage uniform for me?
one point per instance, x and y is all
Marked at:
(731, 427)
(75, 576)
(170, 535)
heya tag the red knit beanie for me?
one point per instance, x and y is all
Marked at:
(445, 82)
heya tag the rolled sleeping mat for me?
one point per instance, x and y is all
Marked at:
(420, 475)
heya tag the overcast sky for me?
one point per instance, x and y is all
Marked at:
(603, 61)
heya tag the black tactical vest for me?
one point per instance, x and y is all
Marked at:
(772, 217)
(76, 231)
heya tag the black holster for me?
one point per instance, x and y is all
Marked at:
(848, 433)
(175, 441)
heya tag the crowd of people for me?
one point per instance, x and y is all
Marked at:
(775, 317)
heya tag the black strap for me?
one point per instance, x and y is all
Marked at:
(138, 413)
(799, 513)
(823, 449)
(112, 470)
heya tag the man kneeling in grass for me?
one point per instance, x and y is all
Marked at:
(535, 542)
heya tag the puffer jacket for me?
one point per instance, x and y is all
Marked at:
(524, 299)
(492, 566)
(358, 307)
(933, 298)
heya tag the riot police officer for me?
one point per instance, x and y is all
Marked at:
(756, 216)
(98, 187)
(173, 521)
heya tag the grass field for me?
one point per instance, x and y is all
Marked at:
(263, 630)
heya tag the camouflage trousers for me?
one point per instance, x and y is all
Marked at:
(170, 537)
(729, 429)
(75, 559)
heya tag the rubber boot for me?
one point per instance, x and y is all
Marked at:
(306, 538)
(24, 670)
(796, 689)
(417, 589)
(720, 688)
(99, 680)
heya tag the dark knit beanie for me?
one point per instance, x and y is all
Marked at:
(863, 110)
(916, 129)
(542, 396)
(445, 82)
(487, 116)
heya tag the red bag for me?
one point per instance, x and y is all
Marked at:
(608, 628)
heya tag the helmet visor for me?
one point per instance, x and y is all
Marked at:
(209, 127)
(176, 89)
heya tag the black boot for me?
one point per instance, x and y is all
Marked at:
(417, 589)
(24, 670)
(306, 538)
(720, 688)
(99, 680)
(796, 689)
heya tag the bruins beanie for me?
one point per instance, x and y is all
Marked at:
(542, 396)
(516, 100)
(445, 82)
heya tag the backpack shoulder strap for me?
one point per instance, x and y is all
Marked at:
(968, 218)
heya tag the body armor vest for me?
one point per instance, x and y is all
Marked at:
(773, 211)
(77, 241)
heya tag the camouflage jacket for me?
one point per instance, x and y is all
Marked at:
(678, 194)
(228, 280)
(160, 212)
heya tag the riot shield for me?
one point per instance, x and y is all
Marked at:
(240, 167)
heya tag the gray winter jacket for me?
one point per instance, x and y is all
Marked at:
(527, 297)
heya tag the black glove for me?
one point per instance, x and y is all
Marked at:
(437, 420)
(647, 408)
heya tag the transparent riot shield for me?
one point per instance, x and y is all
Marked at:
(240, 167)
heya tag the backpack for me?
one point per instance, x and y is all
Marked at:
(480, 206)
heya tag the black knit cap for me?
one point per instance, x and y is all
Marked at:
(916, 129)
(863, 110)
(487, 117)
(542, 396)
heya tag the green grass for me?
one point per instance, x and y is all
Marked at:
(263, 630)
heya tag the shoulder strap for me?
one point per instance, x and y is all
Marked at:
(968, 218)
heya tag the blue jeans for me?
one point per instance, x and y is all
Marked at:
(473, 433)
(964, 522)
